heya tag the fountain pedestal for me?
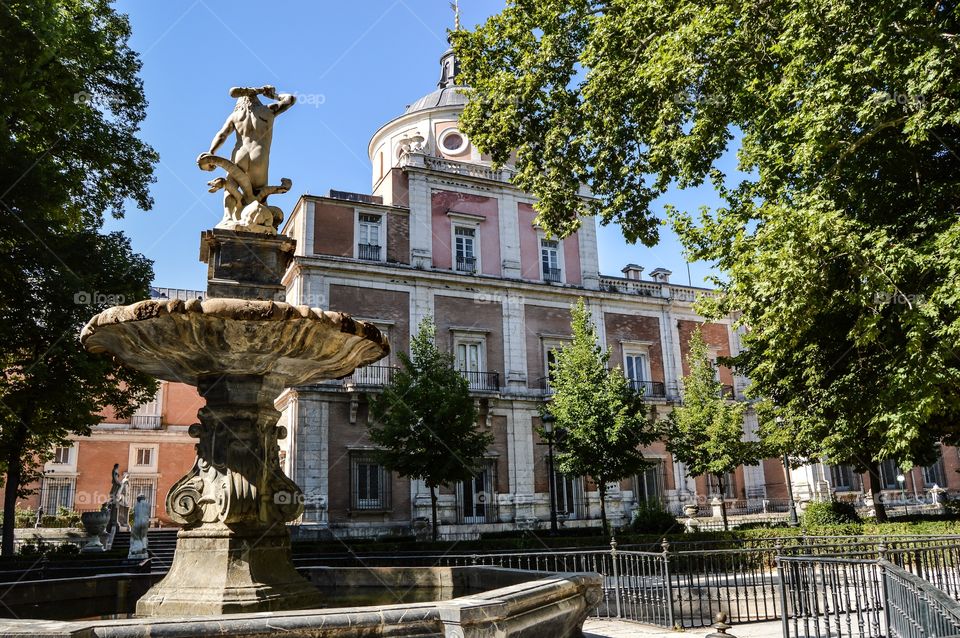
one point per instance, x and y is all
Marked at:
(233, 552)
(233, 506)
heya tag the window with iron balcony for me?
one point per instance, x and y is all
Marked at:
(550, 261)
(369, 230)
(465, 249)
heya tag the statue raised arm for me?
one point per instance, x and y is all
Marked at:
(245, 186)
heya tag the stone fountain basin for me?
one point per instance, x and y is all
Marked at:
(483, 602)
(178, 340)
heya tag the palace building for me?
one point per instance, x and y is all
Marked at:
(445, 235)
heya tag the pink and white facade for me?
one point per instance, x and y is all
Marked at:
(447, 236)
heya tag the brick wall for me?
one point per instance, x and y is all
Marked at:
(715, 335)
(333, 229)
(452, 313)
(388, 305)
(635, 328)
(542, 320)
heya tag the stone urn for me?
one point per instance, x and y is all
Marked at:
(95, 524)
(691, 525)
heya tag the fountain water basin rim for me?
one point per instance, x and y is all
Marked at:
(184, 341)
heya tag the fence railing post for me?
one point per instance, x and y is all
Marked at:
(781, 577)
(668, 584)
(882, 565)
(616, 575)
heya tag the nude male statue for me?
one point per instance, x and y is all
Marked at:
(252, 122)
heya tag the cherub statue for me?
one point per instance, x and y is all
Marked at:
(245, 186)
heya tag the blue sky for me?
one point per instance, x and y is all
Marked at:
(354, 65)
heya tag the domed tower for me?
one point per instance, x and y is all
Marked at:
(427, 128)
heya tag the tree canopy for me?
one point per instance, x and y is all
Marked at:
(70, 153)
(425, 421)
(838, 244)
(601, 422)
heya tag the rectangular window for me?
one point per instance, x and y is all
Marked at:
(935, 474)
(844, 479)
(729, 486)
(368, 237)
(550, 260)
(648, 486)
(369, 484)
(889, 470)
(61, 455)
(476, 497)
(57, 493)
(145, 456)
(568, 492)
(147, 488)
(465, 256)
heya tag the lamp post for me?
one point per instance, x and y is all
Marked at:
(794, 521)
(548, 420)
(901, 479)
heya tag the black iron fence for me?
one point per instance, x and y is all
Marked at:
(916, 609)
(907, 592)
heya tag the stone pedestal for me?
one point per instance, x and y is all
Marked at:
(222, 570)
(245, 265)
(233, 506)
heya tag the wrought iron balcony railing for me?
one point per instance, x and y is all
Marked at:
(371, 376)
(482, 381)
(650, 389)
(467, 264)
(145, 421)
(370, 252)
(552, 275)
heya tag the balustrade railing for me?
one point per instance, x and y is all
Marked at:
(467, 264)
(369, 252)
(145, 421)
(376, 376)
(651, 389)
(552, 275)
(482, 381)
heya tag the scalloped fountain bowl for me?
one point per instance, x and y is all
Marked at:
(187, 340)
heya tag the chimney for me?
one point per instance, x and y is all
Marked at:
(632, 271)
(661, 275)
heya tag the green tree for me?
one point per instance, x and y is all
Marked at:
(838, 240)
(705, 432)
(601, 422)
(425, 422)
(72, 104)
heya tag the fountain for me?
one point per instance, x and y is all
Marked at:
(241, 347)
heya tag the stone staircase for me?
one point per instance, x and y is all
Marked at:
(161, 543)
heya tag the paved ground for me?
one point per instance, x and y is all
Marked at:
(623, 629)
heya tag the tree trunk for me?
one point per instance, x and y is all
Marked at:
(873, 473)
(723, 502)
(603, 507)
(433, 512)
(12, 490)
